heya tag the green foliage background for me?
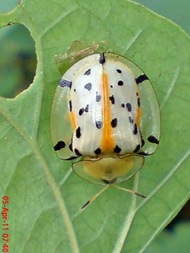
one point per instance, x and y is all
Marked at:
(45, 196)
(177, 11)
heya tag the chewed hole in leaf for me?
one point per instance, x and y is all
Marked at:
(17, 60)
(7, 6)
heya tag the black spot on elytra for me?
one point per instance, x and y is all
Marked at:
(153, 139)
(120, 82)
(98, 97)
(141, 78)
(77, 152)
(70, 105)
(59, 145)
(88, 72)
(112, 99)
(86, 109)
(135, 129)
(114, 122)
(65, 83)
(117, 149)
(131, 120)
(97, 151)
(88, 86)
(81, 111)
(78, 132)
(129, 107)
(71, 146)
(138, 102)
(98, 124)
(118, 70)
(137, 148)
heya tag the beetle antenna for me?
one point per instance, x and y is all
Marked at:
(115, 186)
(94, 197)
(130, 191)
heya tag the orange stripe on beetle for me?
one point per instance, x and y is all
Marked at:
(107, 142)
(138, 116)
(73, 120)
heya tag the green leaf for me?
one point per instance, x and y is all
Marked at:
(45, 196)
(173, 9)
